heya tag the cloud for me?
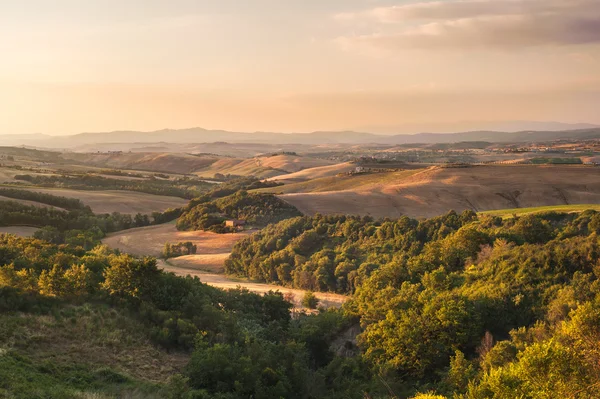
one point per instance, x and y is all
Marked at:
(480, 24)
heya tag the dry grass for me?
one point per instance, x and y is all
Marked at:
(263, 167)
(21, 231)
(88, 335)
(508, 213)
(315, 173)
(213, 250)
(225, 282)
(151, 240)
(212, 263)
(435, 191)
(127, 202)
(148, 161)
(358, 183)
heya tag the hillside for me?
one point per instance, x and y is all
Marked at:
(109, 201)
(315, 173)
(262, 167)
(435, 190)
(156, 162)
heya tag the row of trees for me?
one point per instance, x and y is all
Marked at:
(70, 204)
(78, 227)
(179, 249)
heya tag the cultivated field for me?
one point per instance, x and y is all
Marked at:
(21, 231)
(434, 191)
(127, 202)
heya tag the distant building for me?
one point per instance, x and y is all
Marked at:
(235, 223)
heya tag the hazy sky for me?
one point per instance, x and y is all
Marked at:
(295, 65)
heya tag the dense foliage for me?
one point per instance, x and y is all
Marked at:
(218, 191)
(483, 307)
(337, 253)
(241, 344)
(253, 208)
(458, 306)
(79, 226)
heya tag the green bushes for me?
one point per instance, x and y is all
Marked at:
(254, 209)
(179, 249)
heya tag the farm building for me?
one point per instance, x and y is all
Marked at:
(236, 223)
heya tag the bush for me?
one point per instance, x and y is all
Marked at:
(310, 300)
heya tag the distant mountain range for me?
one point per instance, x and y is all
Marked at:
(199, 135)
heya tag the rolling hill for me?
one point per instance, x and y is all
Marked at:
(315, 173)
(262, 167)
(436, 190)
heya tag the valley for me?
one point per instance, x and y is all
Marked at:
(167, 263)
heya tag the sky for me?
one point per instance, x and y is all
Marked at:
(71, 66)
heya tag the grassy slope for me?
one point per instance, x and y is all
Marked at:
(316, 173)
(504, 213)
(83, 351)
(155, 162)
(340, 183)
(108, 201)
(262, 167)
(434, 191)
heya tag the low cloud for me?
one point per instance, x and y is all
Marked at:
(480, 24)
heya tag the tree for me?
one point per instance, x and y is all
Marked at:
(131, 277)
(78, 280)
(310, 300)
(53, 282)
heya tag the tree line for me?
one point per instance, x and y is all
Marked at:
(48, 199)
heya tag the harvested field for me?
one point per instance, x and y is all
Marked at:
(151, 161)
(151, 240)
(262, 167)
(21, 231)
(359, 182)
(437, 190)
(315, 173)
(127, 202)
(212, 263)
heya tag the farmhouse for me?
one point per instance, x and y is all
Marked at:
(235, 223)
